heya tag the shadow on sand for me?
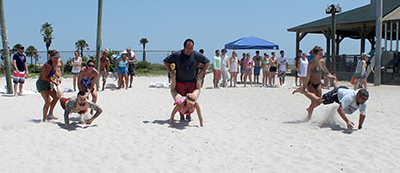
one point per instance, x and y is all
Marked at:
(73, 126)
(333, 127)
(178, 124)
(336, 127)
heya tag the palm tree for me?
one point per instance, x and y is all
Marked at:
(31, 51)
(143, 42)
(81, 44)
(14, 49)
(47, 33)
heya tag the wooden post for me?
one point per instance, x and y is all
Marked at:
(98, 41)
(7, 63)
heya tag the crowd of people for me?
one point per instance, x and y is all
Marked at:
(187, 69)
(247, 66)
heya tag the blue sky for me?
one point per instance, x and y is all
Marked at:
(166, 24)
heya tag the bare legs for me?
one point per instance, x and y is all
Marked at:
(272, 78)
(104, 82)
(247, 75)
(362, 81)
(130, 81)
(264, 78)
(48, 102)
(233, 78)
(21, 86)
(74, 76)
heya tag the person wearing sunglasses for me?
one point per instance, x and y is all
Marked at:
(87, 79)
(349, 101)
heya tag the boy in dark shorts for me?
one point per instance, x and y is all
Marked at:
(349, 101)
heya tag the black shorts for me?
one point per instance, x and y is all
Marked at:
(272, 69)
(332, 96)
(131, 69)
(296, 74)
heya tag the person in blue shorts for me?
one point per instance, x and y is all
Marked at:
(122, 64)
(257, 66)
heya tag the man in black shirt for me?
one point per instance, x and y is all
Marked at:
(186, 61)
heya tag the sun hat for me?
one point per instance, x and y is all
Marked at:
(124, 52)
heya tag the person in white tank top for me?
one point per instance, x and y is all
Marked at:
(233, 68)
(76, 67)
(303, 65)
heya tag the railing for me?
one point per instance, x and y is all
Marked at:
(345, 63)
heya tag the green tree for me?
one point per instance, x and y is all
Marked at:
(31, 51)
(14, 49)
(143, 42)
(47, 33)
(81, 44)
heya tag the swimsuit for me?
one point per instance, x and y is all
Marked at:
(316, 70)
(266, 69)
(51, 72)
(181, 100)
(87, 82)
(314, 85)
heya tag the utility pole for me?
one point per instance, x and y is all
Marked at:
(98, 41)
(333, 9)
(5, 49)
(376, 11)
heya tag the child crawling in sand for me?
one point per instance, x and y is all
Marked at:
(186, 105)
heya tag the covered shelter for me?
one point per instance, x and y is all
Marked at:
(251, 43)
(356, 24)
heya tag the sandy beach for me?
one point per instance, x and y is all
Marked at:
(250, 129)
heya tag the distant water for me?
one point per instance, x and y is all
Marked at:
(153, 56)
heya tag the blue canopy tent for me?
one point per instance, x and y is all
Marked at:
(251, 43)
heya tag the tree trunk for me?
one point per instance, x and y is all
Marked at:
(48, 56)
(81, 52)
(144, 52)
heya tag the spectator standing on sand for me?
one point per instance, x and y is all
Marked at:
(272, 70)
(282, 66)
(361, 73)
(104, 67)
(233, 68)
(20, 70)
(200, 67)
(257, 66)
(76, 64)
(131, 65)
(302, 66)
(296, 62)
(122, 69)
(265, 69)
(216, 68)
(241, 67)
(224, 67)
(248, 67)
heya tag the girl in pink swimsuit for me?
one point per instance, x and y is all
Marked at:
(186, 106)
